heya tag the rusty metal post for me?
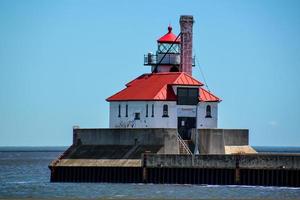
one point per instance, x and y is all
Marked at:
(237, 177)
(144, 163)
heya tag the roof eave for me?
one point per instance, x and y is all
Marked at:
(169, 42)
(196, 85)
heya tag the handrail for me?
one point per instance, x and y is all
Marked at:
(186, 148)
(153, 59)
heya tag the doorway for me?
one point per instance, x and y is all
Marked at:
(185, 126)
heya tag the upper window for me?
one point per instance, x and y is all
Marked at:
(165, 111)
(208, 111)
(126, 113)
(164, 47)
(119, 110)
(187, 96)
(152, 110)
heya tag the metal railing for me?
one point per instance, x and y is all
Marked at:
(170, 59)
(183, 144)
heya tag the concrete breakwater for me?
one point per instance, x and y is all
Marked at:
(158, 156)
(266, 170)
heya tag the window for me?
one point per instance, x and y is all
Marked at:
(119, 115)
(126, 113)
(187, 96)
(152, 111)
(137, 116)
(146, 110)
(208, 111)
(165, 111)
(164, 47)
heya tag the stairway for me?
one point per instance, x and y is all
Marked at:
(189, 144)
(182, 149)
(184, 146)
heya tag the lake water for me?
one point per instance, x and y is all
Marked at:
(24, 173)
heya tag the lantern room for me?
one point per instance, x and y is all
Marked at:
(169, 43)
(167, 57)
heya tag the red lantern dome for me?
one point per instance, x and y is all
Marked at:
(169, 37)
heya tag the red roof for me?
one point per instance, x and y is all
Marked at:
(158, 86)
(169, 37)
(207, 96)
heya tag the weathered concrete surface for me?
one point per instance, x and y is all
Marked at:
(269, 161)
(244, 149)
(112, 151)
(99, 163)
(213, 141)
(187, 161)
(148, 136)
(254, 161)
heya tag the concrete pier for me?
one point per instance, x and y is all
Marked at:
(154, 156)
(265, 170)
(251, 161)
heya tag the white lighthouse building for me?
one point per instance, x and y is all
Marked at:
(168, 97)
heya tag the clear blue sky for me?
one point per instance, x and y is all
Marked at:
(60, 59)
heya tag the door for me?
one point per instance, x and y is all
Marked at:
(184, 125)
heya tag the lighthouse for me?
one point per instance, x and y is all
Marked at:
(157, 123)
(169, 96)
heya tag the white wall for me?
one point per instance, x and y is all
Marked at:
(158, 121)
(202, 121)
(145, 122)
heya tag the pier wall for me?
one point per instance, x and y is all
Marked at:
(213, 141)
(165, 137)
(265, 170)
(254, 161)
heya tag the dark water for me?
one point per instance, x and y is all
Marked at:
(24, 174)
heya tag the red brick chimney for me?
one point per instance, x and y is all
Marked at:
(186, 26)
